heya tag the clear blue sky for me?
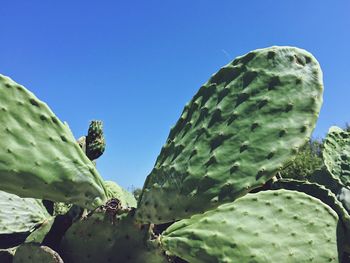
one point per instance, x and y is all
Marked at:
(134, 64)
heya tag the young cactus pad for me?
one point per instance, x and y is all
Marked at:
(20, 214)
(95, 141)
(39, 156)
(266, 227)
(336, 154)
(242, 126)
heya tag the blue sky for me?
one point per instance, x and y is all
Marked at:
(134, 64)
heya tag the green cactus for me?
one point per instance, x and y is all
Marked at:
(318, 191)
(323, 177)
(246, 123)
(126, 198)
(39, 234)
(97, 239)
(336, 154)
(241, 128)
(39, 155)
(20, 214)
(60, 208)
(34, 253)
(272, 226)
(95, 142)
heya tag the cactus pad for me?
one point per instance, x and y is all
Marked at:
(126, 198)
(323, 177)
(336, 154)
(318, 191)
(97, 239)
(246, 123)
(20, 214)
(272, 226)
(95, 141)
(39, 234)
(39, 156)
(344, 197)
(34, 253)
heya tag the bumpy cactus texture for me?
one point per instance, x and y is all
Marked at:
(336, 154)
(39, 155)
(34, 253)
(319, 192)
(126, 198)
(97, 239)
(242, 126)
(272, 226)
(20, 214)
(95, 141)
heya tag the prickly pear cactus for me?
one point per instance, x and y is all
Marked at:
(323, 177)
(34, 253)
(336, 154)
(20, 214)
(126, 198)
(246, 123)
(318, 191)
(39, 155)
(98, 239)
(95, 141)
(39, 234)
(344, 197)
(272, 226)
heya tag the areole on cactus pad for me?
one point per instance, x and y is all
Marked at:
(247, 122)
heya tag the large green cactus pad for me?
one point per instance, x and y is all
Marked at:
(336, 154)
(113, 190)
(98, 239)
(39, 156)
(34, 253)
(20, 214)
(272, 226)
(242, 126)
(318, 191)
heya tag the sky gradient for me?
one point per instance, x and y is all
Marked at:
(134, 64)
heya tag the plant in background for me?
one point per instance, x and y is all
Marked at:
(307, 161)
(207, 197)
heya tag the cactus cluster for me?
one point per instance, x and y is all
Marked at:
(213, 194)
